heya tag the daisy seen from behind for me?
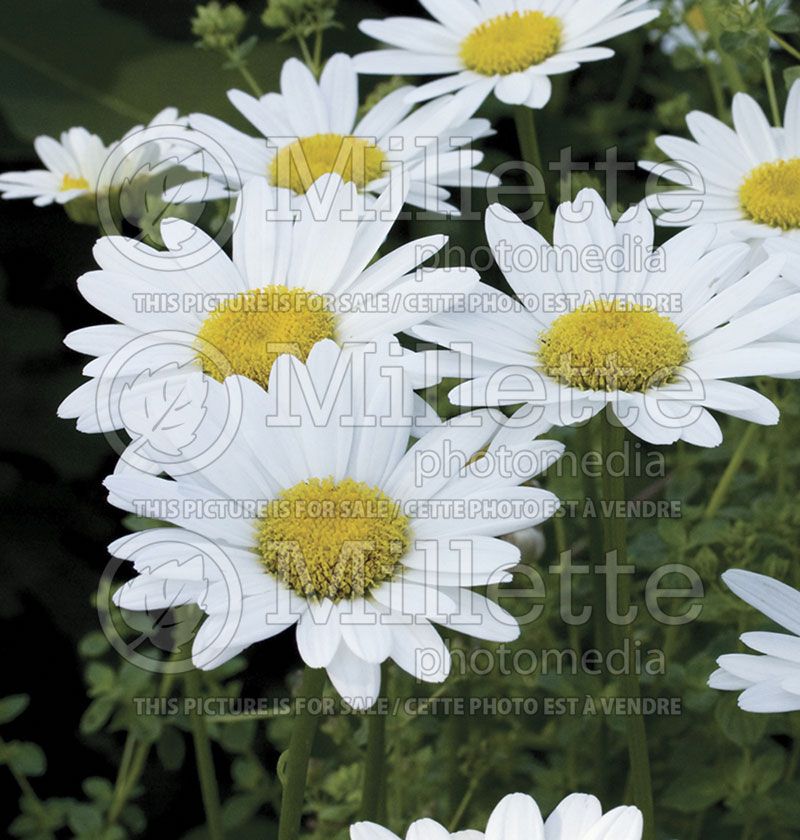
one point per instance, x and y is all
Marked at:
(295, 278)
(333, 527)
(769, 680)
(517, 817)
(499, 46)
(651, 336)
(745, 179)
(311, 128)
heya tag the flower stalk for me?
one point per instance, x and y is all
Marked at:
(615, 543)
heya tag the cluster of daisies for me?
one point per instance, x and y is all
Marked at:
(266, 411)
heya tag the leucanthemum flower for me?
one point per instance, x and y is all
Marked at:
(79, 164)
(327, 522)
(769, 682)
(295, 279)
(507, 47)
(602, 319)
(745, 179)
(311, 128)
(517, 817)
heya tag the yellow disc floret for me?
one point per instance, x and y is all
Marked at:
(70, 183)
(332, 539)
(770, 195)
(246, 333)
(696, 19)
(511, 42)
(298, 165)
(612, 345)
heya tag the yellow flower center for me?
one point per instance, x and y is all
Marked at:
(612, 345)
(770, 195)
(696, 19)
(332, 539)
(70, 183)
(299, 164)
(511, 42)
(246, 333)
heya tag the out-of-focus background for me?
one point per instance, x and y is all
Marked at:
(110, 64)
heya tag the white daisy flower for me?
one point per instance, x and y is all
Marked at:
(509, 47)
(310, 128)
(79, 164)
(601, 318)
(334, 526)
(517, 817)
(745, 180)
(294, 280)
(771, 682)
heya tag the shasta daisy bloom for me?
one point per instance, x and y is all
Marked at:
(294, 280)
(507, 47)
(517, 817)
(769, 682)
(602, 319)
(745, 179)
(80, 164)
(311, 128)
(332, 524)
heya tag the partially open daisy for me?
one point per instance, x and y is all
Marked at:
(746, 180)
(601, 318)
(505, 46)
(770, 682)
(517, 817)
(310, 128)
(294, 280)
(329, 522)
(79, 164)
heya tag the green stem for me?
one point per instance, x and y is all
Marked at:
(589, 486)
(773, 96)
(716, 90)
(134, 757)
(615, 540)
(250, 79)
(465, 800)
(302, 739)
(205, 762)
(318, 53)
(373, 789)
(529, 146)
(729, 66)
(307, 57)
(721, 491)
(785, 45)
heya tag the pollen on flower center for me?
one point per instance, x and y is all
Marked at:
(511, 42)
(612, 345)
(299, 164)
(332, 539)
(70, 183)
(246, 333)
(770, 195)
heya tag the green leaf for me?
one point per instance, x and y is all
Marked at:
(171, 749)
(673, 533)
(93, 645)
(26, 758)
(83, 818)
(788, 22)
(13, 706)
(791, 75)
(96, 715)
(98, 788)
(743, 728)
